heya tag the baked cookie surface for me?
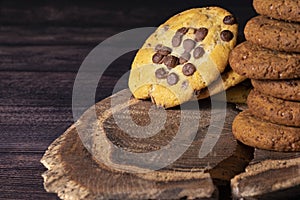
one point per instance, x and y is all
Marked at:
(265, 135)
(273, 34)
(227, 80)
(255, 62)
(283, 89)
(278, 9)
(184, 55)
(275, 110)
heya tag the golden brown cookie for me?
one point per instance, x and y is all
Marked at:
(255, 62)
(227, 80)
(278, 9)
(272, 109)
(283, 89)
(185, 54)
(265, 135)
(273, 34)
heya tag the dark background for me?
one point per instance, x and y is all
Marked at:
(42, 44)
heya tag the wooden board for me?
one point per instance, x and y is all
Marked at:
(270, 175)
(74, 173)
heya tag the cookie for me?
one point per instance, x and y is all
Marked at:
(272, 109)
(237, 94)
(255, 62)
(185, 54)
(265, 135)
(273, 34)
(227, 80)
(278, 9)
(283, 89)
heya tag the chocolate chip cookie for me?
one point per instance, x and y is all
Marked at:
(283, 89)
(255, 62)
(185, 54)
(227, 80)
(275, 110)
(265, 135)
(278, 9)
(273, 34)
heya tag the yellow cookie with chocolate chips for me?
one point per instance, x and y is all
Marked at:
(184, 55)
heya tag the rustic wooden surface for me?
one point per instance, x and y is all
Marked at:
(270, 175)
(71, 168)
(42, 45)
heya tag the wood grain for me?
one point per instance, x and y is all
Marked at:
(50, 88)
(20, 176)
(56, 59)
(270, 175)
(55, 35)
(70, 164)
(43, 58)
(106, 13)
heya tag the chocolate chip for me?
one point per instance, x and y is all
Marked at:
(184, 57)
(157, 58)
(185, 84)
(200, 34)
(226, 35)
(182, 60)
(171, 61)
(176, 40)
(188, 69)
(229, 20)
(161, 73)
(158, 47)
(165, 50)
(182, 31)
(188, 45)
(172, 79)
(198, 52)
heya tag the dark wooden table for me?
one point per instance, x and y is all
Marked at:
(42, 45)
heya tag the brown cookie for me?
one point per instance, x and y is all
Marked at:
(278, 9)
(265, 135)
(275, 110)
(253, 61)
(273, 34)
(283, 89)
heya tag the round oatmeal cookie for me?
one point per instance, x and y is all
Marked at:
(265, 135)
(255, 62)
(273, 34)
(184, 55)
(279, 9)
(283, 89)
(272, 109)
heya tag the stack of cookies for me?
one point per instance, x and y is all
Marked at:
(270, 57)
